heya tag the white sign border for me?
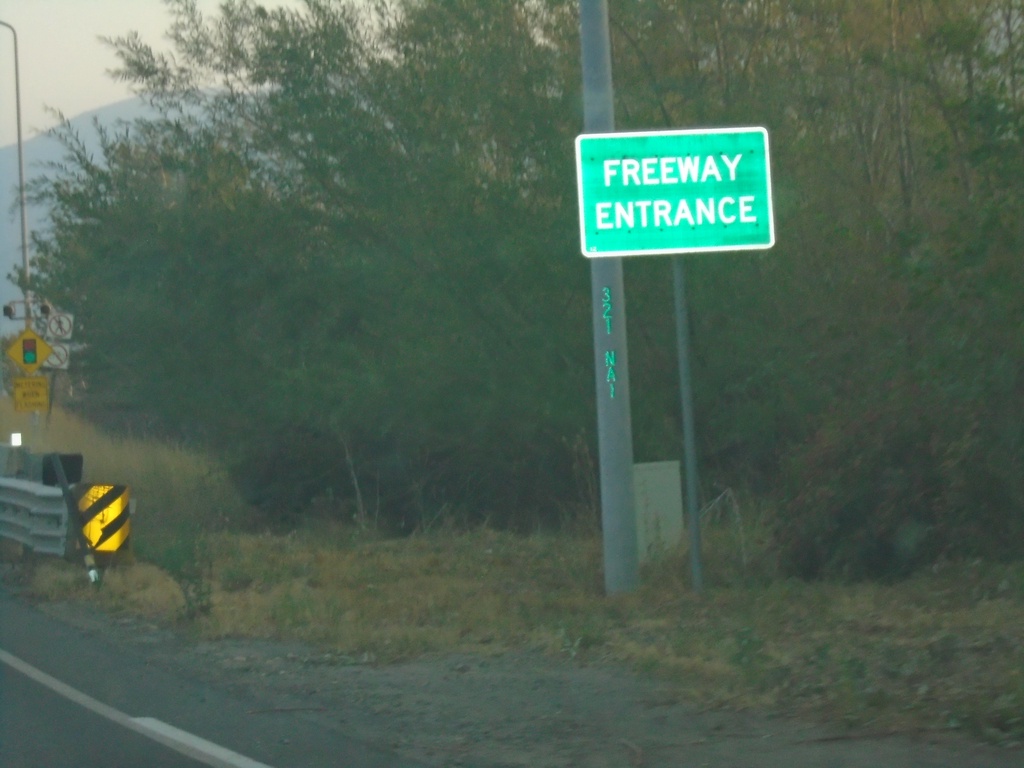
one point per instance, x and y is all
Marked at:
(671, 251)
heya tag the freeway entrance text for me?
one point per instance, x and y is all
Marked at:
(674, 192)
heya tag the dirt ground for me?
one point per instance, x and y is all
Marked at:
(521, 709)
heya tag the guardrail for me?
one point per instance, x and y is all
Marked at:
(35, 515)
(41, 510)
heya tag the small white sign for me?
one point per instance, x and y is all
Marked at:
(60, 326)
(59, 358)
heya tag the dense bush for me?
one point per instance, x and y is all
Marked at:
(911, 478)
(348, 243)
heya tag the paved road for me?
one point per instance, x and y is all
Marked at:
(41, 729)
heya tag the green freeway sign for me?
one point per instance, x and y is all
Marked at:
(674, 192)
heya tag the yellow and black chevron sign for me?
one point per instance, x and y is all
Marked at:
(104, 511)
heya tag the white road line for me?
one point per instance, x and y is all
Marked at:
(189, 744)
(180, 741)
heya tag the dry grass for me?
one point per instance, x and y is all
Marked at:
(175, 484)
(942, 650)
(139, 589)
(394, 599)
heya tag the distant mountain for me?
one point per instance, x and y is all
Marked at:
(39, 152)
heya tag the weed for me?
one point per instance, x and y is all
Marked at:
(749, 653)
(188, 561)
(944, 647)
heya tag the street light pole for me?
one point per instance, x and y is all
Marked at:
(21, 181)
(611, 362)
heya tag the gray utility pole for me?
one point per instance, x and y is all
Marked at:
(21, 177)
(611, 358)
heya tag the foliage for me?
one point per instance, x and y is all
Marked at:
(909, 481)
(370, 266)
(343, 256)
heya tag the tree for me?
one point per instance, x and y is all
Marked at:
(372, 209)
(420, 317)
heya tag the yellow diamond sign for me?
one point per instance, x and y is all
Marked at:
(29, 351)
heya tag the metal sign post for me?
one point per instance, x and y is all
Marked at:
(647, 193)
(689, 429)
(675, 192)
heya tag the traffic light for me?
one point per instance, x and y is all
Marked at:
(9, 311)
(29, 355)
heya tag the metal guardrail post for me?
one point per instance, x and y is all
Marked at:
(88, 556)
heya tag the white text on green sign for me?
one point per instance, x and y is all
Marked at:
(674, 192)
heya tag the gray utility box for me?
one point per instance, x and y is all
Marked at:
(658, 497)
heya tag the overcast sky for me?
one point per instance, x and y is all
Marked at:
(62, 62)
